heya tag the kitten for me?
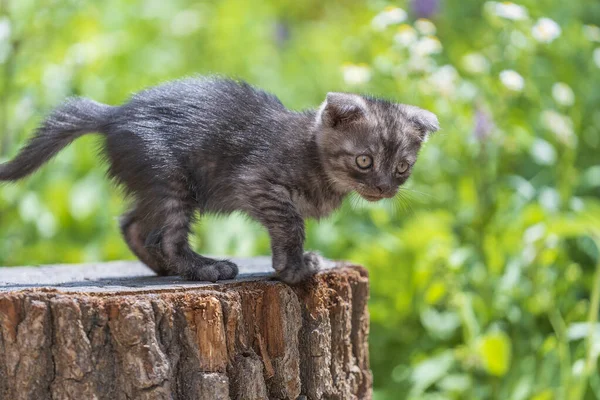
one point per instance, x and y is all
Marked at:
(213, 145)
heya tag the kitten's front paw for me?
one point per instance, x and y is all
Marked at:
(219, 270)
(311, 263)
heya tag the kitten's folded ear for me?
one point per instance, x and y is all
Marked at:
(341, 109)
(425, 121)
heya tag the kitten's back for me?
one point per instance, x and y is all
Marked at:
(208, 94)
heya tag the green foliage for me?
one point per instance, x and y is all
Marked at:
(484, 272)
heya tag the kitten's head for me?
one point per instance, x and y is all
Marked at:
(370, 145)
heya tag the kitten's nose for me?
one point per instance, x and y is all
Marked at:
(386, 190)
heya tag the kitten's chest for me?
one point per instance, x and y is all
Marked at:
(319, 205)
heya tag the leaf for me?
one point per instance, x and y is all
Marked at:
(591, 177)
(435, 292)
(440, 324)
(542, 152)
(456, 383)
(495, 350)
(430, 371)
(547, 394)
(580, 330)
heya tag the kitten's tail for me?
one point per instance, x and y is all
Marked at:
(74, 118)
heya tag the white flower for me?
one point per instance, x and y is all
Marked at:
(542, 152)
(534, 233)
(56, 80)
(507, 10)
(475, 63)
(519, 40)
(4, 28)
(597, 57)
(578, 367)
(406, 35)
(46, 224)
(444, 80)
(592, 33)
(383, 64)
(356, 74)
(389, 16)
(549, 199)
(426, 45)
(563, 94)
(83, 199)
(545, 30)
(30, 207)
(416, 63)
(467, 91)
(185, 23)
(512, 80)
(425, 26)
(561, 125)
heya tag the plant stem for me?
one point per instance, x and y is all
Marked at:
(560, 330)
(592, 320)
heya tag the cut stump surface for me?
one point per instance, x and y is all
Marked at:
(114, 331)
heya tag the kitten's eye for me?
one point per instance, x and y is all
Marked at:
(364, 161)
(402, 168)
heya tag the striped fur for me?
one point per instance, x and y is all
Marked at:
(213, 145)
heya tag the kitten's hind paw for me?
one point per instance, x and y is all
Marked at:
(312, 262)
(219, 270)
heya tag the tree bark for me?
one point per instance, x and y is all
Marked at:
(111, 331)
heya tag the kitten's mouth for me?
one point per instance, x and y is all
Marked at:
(371, 198)
(375, 197)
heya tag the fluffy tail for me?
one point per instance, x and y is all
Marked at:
(74, 118)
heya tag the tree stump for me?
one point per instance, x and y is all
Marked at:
(113, 331)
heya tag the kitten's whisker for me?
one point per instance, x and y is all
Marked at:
(417, 192)
(403, 204)
(354, 201)
(357, 202)
(415, 196)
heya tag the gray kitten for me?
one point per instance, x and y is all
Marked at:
(216, 145)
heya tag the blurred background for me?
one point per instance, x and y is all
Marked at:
(484, 272)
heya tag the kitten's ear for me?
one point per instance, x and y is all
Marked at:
(341, 109)
(425, 121)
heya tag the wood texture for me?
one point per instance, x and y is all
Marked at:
(110, 331)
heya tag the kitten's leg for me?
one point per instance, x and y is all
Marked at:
(136, 236)
(170, 217)
(286, 229)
